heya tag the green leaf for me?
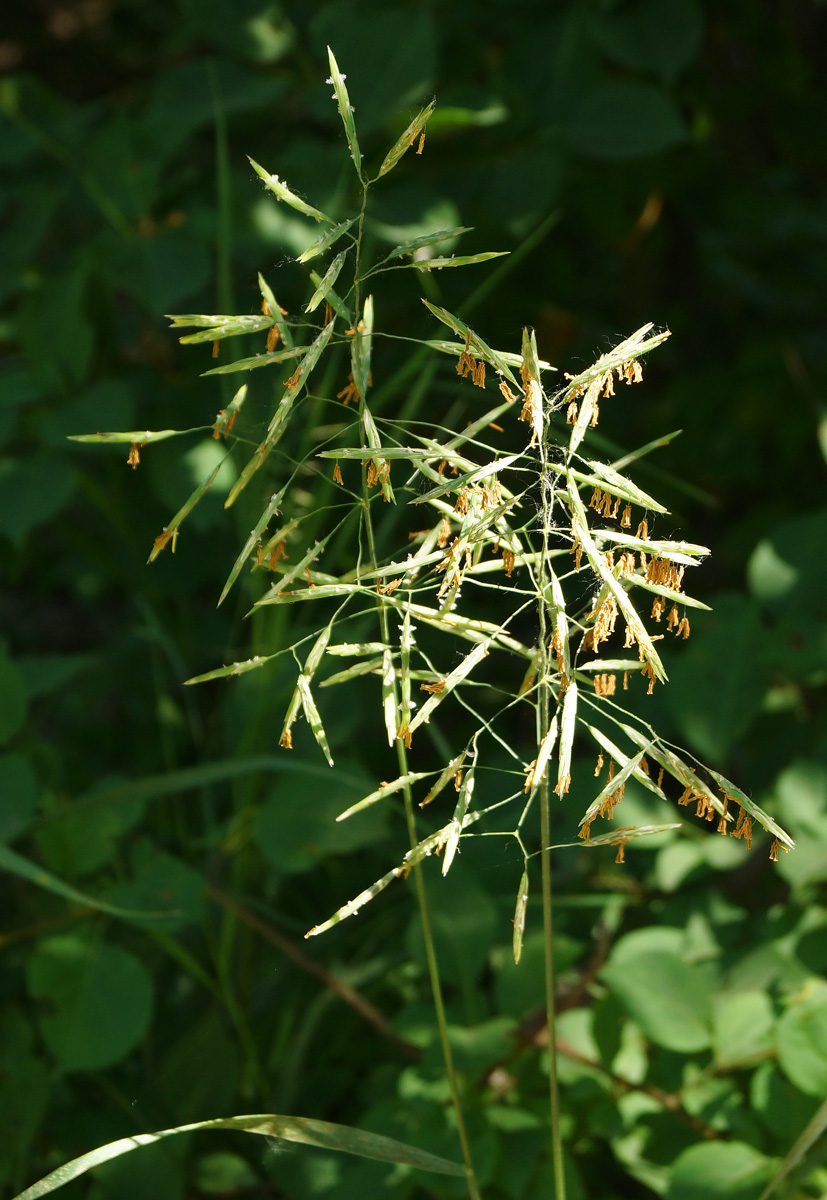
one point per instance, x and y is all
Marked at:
(19, 789)
(661, 36)
(13, 698)
(742, 1024)
(291, 1129)
(622, 119)
(718, 1171)
(97, 1001)
(788, 578)
(670, 1000)
(56, 334)
(801, 1148)
(725, 663)
(33, 490)
(25, 869)
(801, 1040)
(297, 827)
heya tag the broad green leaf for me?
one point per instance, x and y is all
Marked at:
(296, 828)
(651, 36)
(327, 282)
(291, 1129)
(406, 139)
(282, 191)
(34, 489)
(20, 789)
(97, 1000)
(669, 999)
(345, 111)
(13, 698)
(718, 1171)
(742, 1025)
(801, 1040)
(622, 119)
(801, 1148)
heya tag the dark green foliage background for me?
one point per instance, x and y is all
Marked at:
(681, 144)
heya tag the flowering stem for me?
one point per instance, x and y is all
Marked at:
(545, 830)
(419, 878)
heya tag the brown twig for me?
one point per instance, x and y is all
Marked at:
(343, 990)
(671, 1101)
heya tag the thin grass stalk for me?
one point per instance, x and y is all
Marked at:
(544, 697)
(419, 879)
(436, 985)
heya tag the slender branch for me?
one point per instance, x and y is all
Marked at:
(343, 990)
(544, 698)
(419, 878)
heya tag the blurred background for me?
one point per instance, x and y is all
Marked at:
(643, 160)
